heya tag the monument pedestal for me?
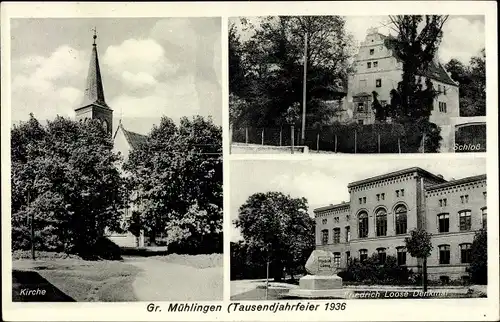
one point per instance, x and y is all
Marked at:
(319, 286)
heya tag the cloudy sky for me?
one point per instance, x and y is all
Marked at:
(324, 182)
(150, 67)
(463, 36)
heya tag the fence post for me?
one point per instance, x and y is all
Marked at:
(399, 145)
(292, 136)
(335, 143)
(355, 141)
(262, 136)
(246, 135)
(281, 135)
(378, 136)
(317, 142)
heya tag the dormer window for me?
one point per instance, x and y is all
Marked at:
(372, 51)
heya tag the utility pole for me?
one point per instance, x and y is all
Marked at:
(303, 134)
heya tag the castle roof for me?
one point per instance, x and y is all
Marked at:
(434, 71)
(94, 92)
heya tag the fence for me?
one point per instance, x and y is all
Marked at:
(374, 138)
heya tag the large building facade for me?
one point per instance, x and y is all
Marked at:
(383, 210)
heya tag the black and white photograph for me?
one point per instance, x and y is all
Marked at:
(116, 159)
(357, 84)
(331, 229)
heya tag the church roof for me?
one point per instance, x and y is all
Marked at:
(134, 139)
(94, 92)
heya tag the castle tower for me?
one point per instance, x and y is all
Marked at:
(94, 105)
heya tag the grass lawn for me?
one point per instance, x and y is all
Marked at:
(196, 261)
(260, 294)
(73, 279)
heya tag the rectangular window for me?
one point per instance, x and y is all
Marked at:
(336, 235)
(440, 202)
(347, 257)
(378, 197)
(381, 255)
(444, 107)
(444, 202)
(484, 195)
(444, 223)
(444, 254)
(348, 234)
(324, 221)
(363, 255)
(465, 220)
(383, 196)
(444, 90)
(369, 65)
(324, 237)
(402, 192)
(397, 193)
(361, 107)
(378, 83)
(375, 64)
(465, 253)
(336, 259)
(372, 51)
(484, 217)
(360, 201)
(364, 199)
(336, 219)
(464, 199)
(401, 256)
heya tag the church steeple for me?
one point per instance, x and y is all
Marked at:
(94, 105)
(94, 92)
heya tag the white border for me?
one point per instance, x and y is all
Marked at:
(404, 310)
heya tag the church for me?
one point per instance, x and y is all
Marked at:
(94, 107)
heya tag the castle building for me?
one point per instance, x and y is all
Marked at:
(94, 107)
(378, 69)
(383, 210)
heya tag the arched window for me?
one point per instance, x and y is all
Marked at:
(324, 237)
(444, 254)
(465, 253)
(465, 220)
(444, 223)
(381, 255)
(363, 255)
(105, 125)
(381, 218)
(401, 219)
(363, 224)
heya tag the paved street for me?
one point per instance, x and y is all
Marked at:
(161, 281)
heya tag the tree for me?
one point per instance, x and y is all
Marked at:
(280, 225)
(472, 84)
(176, 177)
(64, 177)
(273, 61)
(419, 246)
(478, 269)
(416, 45)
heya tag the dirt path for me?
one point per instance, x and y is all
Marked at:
(161, 281)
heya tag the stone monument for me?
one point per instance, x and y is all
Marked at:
(323, 281)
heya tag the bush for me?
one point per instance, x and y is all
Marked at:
(106, 249)
(372, 272)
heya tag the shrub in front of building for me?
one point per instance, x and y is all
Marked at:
(373, 271)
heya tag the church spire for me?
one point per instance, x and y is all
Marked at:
(94, 92)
